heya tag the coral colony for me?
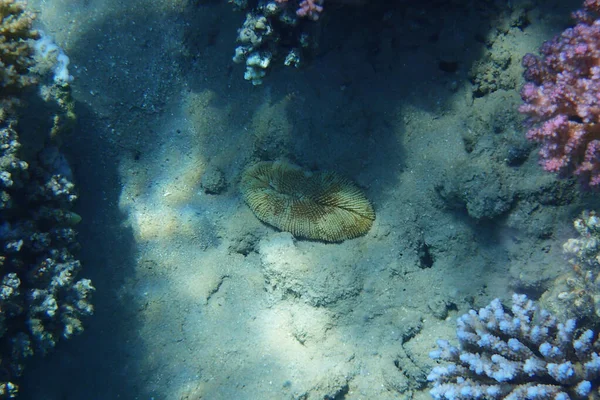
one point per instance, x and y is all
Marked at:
(524, 353)
(561, 98)
(307, 8)
(576, 291)
(274, 30)
(41, 299)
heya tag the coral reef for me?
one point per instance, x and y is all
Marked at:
(524, 353)
(41, 299)
(561, 98)
(273, 30)
(321, 205)
(16, 48)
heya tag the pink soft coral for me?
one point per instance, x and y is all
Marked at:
(307, 8)
(562, 98)
(310, 9)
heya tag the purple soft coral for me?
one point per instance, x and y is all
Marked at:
(562, 98)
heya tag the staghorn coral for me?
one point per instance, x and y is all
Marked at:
(16, 48)
(321, 205)
(524, 353)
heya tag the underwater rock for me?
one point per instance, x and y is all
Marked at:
(293, 273)
(438, 307)
(213, 181)
(245, 243)
(333, 385)
(478, 188)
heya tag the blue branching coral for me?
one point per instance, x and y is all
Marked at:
(524, 353)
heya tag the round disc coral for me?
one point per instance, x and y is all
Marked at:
(320, 205)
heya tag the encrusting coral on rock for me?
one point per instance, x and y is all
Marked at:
(524, 353)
